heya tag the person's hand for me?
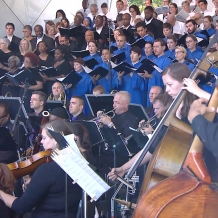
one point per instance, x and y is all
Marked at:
(198, 107)
(1, 66)
(145, 75)
(67, 86)
(43, 76)
(26, 183)
(106, 120)
(95, 78)
(112, 175)
(191, 86)
(22, 85)
(120, 74)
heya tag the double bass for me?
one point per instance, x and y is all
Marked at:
(188, 193)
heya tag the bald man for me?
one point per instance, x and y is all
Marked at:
(57, 91)
(123, 119)
(154, 92)
(89, 36)
(178, 27)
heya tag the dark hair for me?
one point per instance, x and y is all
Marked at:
(10, 24)
(151, 43)
(99, 88)
(28, 27)
(81, 100)
(162, 42)
(7, 180)
(41, 43)
(62, 12)
(82, 15)
(191, 21)
(62, 49)
(175, 6)
(79, 60)
(168, 26)
(65, 19)
(34, 59)
(6, 106)
(141, 24)
(179, 71)
(136, 49)
(104, 5)
(203, 1)
(150, 8)
(83, 134)
(120, 1)
(94, 43)
(42, 96)
(173, 37)
(66, 37)
(136, 8)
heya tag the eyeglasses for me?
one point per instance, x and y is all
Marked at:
(179, 52)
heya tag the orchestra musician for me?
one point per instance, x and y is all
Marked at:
(123, 119)
(76, 107)
(173, 77)
(8, 152)
(7, 182)
(37, 102)
(45, 193)
(58, 113)
(154, 92)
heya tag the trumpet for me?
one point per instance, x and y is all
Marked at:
(104, 114)
(45, 113)
(148, 122)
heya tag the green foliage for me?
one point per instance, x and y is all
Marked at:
(141, 3)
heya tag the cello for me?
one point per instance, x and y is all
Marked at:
(188, 193)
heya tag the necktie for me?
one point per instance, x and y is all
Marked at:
(94, 19)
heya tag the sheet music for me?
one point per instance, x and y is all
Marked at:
(161, 10)
(55, 21)
(182, 16)
(70, 140)
(87, 70)
(199, 39)
(197, 10)
(80, 172)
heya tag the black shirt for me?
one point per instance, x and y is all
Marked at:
(46, 192)
(123, 121)
(49, 62)
(64, 68)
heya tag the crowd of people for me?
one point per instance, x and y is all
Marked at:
(96, 42)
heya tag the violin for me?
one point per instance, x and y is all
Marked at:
(28, 166)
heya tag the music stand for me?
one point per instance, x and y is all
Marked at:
(138, 111)
(50, 105)
(14, 103)
(99, 102)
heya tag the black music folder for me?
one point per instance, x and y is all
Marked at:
(101, 71)
(113, 48)
(91, 63)
(124, 67)
(24, 76)
(80, 54)
(4, 79)
(118, 58)
(71, 78)
(72, 32)
(139, 43)
(147, 65)
(49, 71)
